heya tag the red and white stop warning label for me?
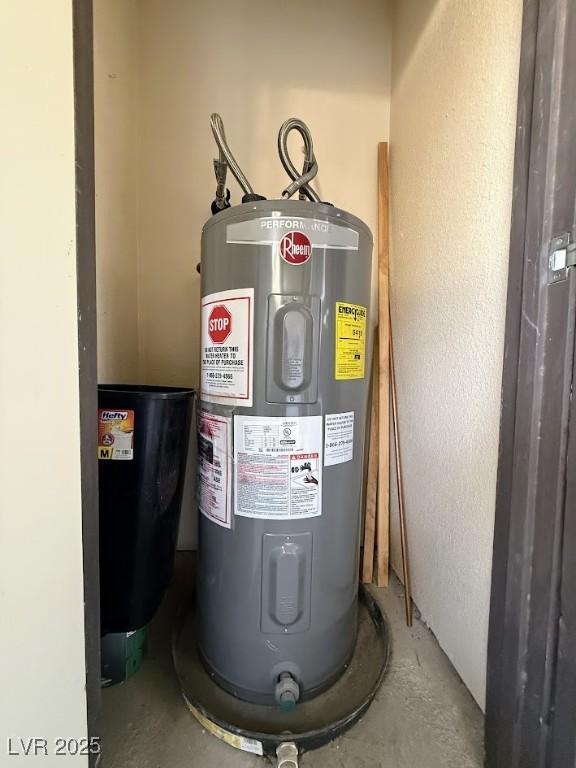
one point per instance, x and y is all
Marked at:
(295, 248)
(227, 347)
(219, 323)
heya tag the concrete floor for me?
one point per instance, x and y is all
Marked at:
(423, 716)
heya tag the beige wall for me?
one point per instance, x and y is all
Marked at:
(455, 68)
(257, 63)
(42, 668)
(162, 67)
(116, 142)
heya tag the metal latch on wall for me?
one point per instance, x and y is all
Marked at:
(562, 255)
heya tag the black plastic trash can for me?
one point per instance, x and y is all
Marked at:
(143, 435)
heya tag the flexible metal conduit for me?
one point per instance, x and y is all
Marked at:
(300, 181)
(219, 135)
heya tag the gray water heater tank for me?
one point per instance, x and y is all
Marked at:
(285, 375)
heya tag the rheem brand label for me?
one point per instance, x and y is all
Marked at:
(227, 347)
(295, 248)
(271, 230)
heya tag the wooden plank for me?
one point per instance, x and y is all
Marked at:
(372, 480)
(383, 515)
(400, 486)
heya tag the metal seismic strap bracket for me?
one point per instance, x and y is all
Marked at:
(562, 255)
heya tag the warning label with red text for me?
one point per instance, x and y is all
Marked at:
(214, 471)
(227, 347)
(278, 462)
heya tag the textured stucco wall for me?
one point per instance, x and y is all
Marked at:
(454, 75)
(42, 669)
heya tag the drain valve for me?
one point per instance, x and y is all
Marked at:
(287, 755)
(287, 692)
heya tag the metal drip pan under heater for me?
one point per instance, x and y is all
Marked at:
(262, 729)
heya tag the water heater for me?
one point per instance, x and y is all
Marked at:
(285, 365)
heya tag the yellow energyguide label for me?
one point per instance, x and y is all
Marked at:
(350, 334)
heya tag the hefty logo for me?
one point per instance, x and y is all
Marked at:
(113, 415)
(295, 248)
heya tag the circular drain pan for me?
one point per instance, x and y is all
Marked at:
(260, 729)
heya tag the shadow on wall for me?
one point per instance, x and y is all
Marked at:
(414, 25)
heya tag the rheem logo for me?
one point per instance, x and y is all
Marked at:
(295, 248)
(219, 324)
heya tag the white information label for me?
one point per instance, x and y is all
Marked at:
(338, 438)
(227, 347)
(251, 745)
(214, 470)
(278, 464)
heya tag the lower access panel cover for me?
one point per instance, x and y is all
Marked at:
(286, 582)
